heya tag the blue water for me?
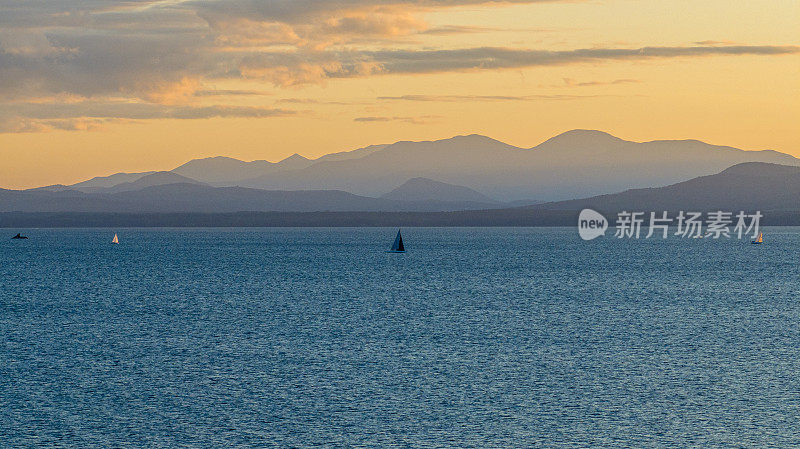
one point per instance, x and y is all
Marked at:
(475, 338)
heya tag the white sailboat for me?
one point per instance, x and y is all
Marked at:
(116, 240)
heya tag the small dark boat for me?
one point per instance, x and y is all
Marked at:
(18, 237)
(397, 246)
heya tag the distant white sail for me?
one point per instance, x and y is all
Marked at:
(116, 240)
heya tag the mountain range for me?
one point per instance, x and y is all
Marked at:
(575, 164)
(170, 192)
(461, 173)
(770, 188)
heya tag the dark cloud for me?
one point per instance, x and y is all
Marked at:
(104, 63)
(302, 10)
(487, 58)
(299, 68)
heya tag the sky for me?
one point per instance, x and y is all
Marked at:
(90, 88)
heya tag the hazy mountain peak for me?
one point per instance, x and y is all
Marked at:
(295, 157)
(581, 138)
(352, 154)
(50, 188)
(207, 161)
(425, 189)
(472, 138)
(155, 179)
(160, 176)
(455, 147)
(294, 162)
(222, 169)
(761, 169)
(108, 181)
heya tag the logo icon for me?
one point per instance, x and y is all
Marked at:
(591, 224)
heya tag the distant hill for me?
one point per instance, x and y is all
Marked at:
(352, 154)
(156, 179)
(224, 169)
(424, 189)
(294, 162)
(197, 197)
(228, 171)
(99, 182)
(749, 186)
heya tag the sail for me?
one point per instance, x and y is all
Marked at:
(116, 239)
(398, 243)
(760, 237)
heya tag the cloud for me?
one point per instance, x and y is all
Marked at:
(318, 24)
(472, 98)
(421, 120)
(715, 43)
(165, 52)
(296, 68)
(314, 101)
(86, 115)
(302, 68)
(27, 125)
(460, 29)
(572, 83)
(229, 93)
(457, 29)
(493, 58)
(153, 67)
(298, 11)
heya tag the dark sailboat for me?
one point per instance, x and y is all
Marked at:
(397, 246)
(18, 237)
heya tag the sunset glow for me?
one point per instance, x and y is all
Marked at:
(94, 88)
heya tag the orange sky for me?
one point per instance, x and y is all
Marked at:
(150, 85)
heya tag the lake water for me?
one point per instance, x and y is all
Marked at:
(509, 337)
